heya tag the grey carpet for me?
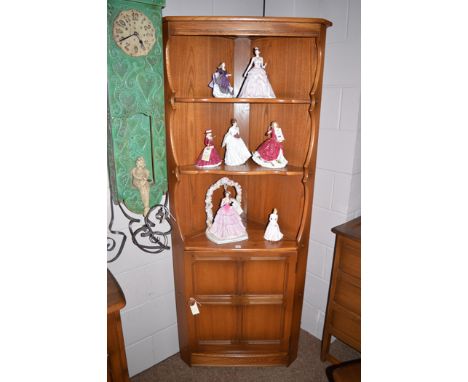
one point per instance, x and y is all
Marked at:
(306, 367)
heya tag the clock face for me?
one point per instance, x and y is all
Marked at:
(134, 33)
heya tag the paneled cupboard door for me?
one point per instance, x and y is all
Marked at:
(244, 300)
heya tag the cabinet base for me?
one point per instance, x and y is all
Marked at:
(272, 359)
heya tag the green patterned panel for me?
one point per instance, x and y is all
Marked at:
(136, 102)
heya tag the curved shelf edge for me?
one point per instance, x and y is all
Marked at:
(244, 100)
(255, 243)
(245, 169)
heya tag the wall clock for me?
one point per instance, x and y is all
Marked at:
(134, 33)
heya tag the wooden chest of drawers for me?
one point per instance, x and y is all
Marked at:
(343, 317)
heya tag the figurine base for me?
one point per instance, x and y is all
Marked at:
(209, 165)
(273, 164)
(217, 240)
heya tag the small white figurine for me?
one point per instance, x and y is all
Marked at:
(237, 152)
(270, 152)
(256, 84)
(140, 175)
(227, 225)
(272, 232)
(209, 157)
(220, 83)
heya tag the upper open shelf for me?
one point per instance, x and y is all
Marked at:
(243, 100)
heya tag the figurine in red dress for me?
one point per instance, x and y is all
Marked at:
(209, 157)
(270, 152)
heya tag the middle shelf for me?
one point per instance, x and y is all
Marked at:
(243, 100)
(245, 169)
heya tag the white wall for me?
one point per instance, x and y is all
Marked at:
(149, 319)
(337, 194)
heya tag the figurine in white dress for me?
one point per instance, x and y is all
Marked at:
(237, 152)
(256, 84)
(272, 232)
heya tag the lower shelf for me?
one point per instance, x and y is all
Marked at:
(255, 242)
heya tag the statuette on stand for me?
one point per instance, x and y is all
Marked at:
(209, 157)
(140, 175)
(227, 226)
(237, 152)
(270, 152)
(256, 84)
(220, 83)
(272, 232)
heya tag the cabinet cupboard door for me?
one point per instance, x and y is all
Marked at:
(246, 300)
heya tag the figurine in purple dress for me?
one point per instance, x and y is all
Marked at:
(209, 157)
(220, 83)
(270, 152)
(227, 226)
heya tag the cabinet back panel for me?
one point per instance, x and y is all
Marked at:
(189, 126)
(193, 60)
(285, 193)
(294, 121)
(291, 64)
(260, 195)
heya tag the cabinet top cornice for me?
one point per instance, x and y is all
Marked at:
(250, 18)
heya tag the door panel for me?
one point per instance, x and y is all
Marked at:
(265, 276)
(214, 277)
(262, 322)
(216, 322)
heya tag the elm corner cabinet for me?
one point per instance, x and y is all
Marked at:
(250, 292)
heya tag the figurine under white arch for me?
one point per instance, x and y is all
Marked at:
(227, 226)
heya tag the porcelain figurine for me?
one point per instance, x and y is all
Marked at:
(272, 232)
(220, 83)
(237, 152)
(140, 175)
(209, 157)
(270, 152)
(227, 225)
(256, 84)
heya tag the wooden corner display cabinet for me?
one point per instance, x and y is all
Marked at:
(250, 292)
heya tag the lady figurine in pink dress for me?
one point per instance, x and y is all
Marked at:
(227, 226)
(209, 157)
(270, 152)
